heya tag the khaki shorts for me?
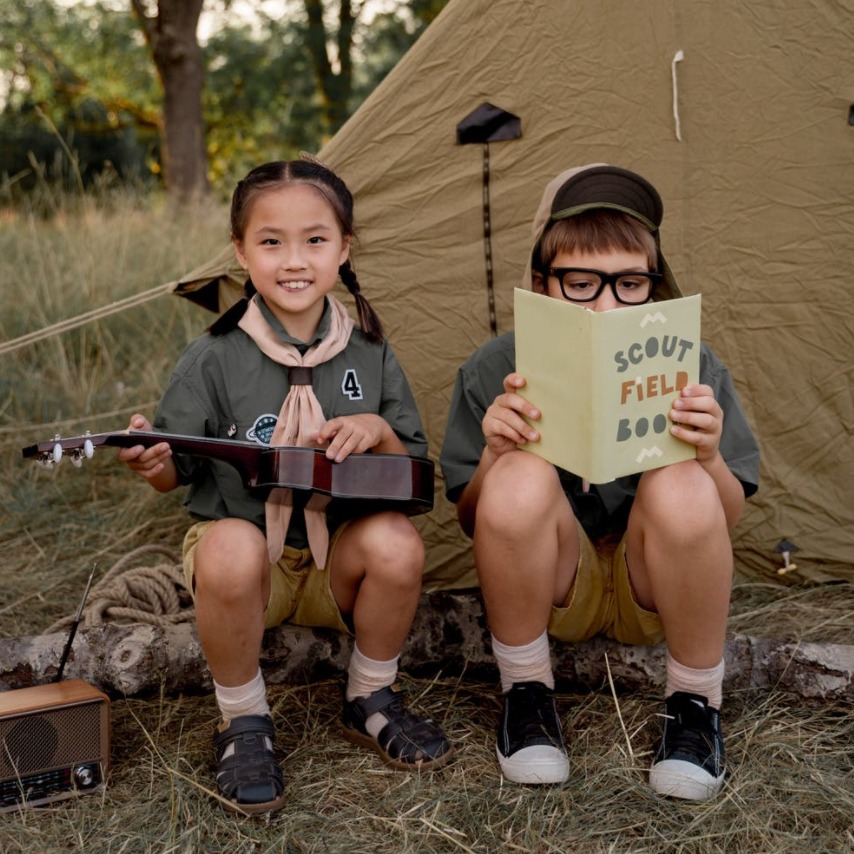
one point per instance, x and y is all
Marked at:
(300, 593)
(601, 600)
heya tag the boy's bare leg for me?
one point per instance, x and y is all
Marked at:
(526, 552)
(680, 562)
(525, 546)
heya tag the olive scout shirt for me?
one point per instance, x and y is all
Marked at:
(224, 387)
(605, 508)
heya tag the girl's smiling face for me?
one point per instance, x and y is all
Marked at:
(292, 248)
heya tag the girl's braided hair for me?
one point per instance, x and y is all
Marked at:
(283, 173)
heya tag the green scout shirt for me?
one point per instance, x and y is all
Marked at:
(224, 387)
(605, 508)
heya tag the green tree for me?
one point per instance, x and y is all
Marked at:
(263, 98)
(336, 51)
(389, 35)
(334, 86)
(63, 95)
(123, 86)
(260, 98)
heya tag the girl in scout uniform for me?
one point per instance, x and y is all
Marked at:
(288, 366)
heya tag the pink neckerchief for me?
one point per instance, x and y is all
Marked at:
(299, 418)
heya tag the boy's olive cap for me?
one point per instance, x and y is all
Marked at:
(608, 187)
(600, 185)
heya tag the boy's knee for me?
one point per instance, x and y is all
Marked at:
(682, 495)
(520, 486)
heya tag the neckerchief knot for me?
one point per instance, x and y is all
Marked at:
(300, 418)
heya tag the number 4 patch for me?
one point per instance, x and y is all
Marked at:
(350, 385)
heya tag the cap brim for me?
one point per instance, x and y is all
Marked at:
(609, 187)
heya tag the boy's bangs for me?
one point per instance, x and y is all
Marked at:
(597, 231)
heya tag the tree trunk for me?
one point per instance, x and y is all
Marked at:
(334, 87)
(171, 37)
(449, 635)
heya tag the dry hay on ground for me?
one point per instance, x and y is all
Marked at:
(791, 760)
(814, 613)
(791, 786)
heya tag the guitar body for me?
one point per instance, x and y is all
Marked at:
(372, 482)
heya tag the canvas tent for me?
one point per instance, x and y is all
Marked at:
(740, 113)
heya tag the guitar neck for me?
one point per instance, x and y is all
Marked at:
(243, 456)
(373, 481)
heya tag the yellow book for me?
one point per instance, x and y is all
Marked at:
(605, 382)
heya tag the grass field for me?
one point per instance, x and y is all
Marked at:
(791, 761)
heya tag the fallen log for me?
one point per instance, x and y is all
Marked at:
(449, 636)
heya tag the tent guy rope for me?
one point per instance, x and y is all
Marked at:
(82, 319)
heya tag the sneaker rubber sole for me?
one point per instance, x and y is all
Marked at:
(539, 764)
(676, 778)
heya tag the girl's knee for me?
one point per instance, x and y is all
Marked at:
(230, 558)
(393, 550)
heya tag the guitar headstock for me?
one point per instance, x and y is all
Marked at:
(50, 454)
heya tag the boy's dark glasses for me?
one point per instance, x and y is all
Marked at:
(580, 285)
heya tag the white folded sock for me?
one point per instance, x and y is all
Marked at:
(706, 682)
(530, 662)
(248, 699)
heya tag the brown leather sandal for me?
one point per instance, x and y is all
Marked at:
(250, 780)
(406, 742)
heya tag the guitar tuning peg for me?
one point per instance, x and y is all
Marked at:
(88, 449)
(77, 461)
(57, 453)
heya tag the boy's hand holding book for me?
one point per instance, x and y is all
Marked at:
(504, 426)
(698, 420)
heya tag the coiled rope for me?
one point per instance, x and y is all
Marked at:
(154, 594)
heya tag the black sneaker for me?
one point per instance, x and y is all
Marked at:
(530, 745)
(689, 763)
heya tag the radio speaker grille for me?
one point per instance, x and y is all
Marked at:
(54, 742)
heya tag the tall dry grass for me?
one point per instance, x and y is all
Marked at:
(791, 787)
(88, 255)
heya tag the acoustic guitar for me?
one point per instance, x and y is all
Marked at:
(370, 482)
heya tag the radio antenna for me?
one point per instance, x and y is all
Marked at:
(74, 626)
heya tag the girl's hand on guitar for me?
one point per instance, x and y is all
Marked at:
(358, 434)
(154, 463)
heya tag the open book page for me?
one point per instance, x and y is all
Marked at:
(605, 381)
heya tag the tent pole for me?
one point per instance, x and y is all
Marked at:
(487, 244)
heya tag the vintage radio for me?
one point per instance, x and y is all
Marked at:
(54, 743)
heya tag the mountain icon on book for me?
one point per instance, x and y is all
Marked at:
(658, 317)
(649, 453)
